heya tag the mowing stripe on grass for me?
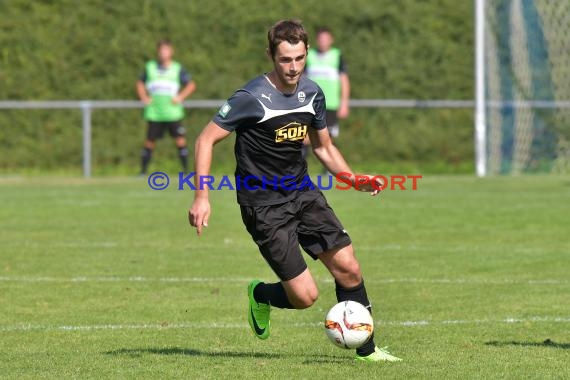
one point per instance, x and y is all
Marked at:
(476, 281)
(227, 325)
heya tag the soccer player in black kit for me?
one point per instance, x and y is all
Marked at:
(271, 115)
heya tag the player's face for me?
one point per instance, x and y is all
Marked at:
(165, 53)
(289, 62)
(324, 41)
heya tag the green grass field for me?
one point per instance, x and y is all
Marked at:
(103, 278)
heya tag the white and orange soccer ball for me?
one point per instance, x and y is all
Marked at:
(349, 324)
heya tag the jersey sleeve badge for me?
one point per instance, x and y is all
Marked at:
(224, 110)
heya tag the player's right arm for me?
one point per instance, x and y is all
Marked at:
(142, 93)
(344, 108)
(240, 109)
(200, 210)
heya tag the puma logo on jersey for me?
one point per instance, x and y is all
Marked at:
(291, 132)
(268, 97)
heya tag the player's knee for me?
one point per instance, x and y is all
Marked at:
(306, 299)
(354, 273)
(349, 274)
(180, 142)
(305, 302)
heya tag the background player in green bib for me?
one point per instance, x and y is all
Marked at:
(158, 88)
(326, 66)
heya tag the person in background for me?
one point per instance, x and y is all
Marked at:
(162, 87)
(326, 67)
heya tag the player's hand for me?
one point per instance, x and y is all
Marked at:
(147, 100)
(199, 214)
(176, 100)
(343, 111)
(368, 183)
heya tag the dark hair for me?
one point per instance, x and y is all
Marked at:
(291, 31)
(323, 29)
(163, 42)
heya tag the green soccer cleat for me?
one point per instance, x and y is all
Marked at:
(258, 313)
(379, 355)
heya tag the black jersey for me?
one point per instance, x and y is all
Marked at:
(270, 128)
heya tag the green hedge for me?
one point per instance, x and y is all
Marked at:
(95, 49)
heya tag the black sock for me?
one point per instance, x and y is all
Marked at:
(183, 154)
(146, 155)
(357, 294)
(272, 294)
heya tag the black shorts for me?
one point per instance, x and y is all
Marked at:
(156, 129)
(332, 123)
(278, 231)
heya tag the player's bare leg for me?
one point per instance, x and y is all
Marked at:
(301, 291)
(344, 267)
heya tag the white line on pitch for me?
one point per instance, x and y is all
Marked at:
(225, 325)
(80, 279)
(122, 279)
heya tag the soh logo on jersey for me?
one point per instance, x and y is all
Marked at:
(291, 132)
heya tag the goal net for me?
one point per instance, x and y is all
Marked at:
(527, 82)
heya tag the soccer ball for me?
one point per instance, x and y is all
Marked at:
(349, 324)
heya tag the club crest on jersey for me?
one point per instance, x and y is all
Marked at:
(301, 97)
(291, 132)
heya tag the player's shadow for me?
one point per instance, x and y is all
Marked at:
(191, 352)
(546, 343)
(137, 352)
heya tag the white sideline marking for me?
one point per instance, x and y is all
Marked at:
(224, 325)
(474, 281)
(246, 244)
(123, 279)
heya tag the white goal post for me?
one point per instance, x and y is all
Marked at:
(522, 86)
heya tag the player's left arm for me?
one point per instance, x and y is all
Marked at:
(186, 92)
(189, 86)
(332, 159)
(344, 108)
